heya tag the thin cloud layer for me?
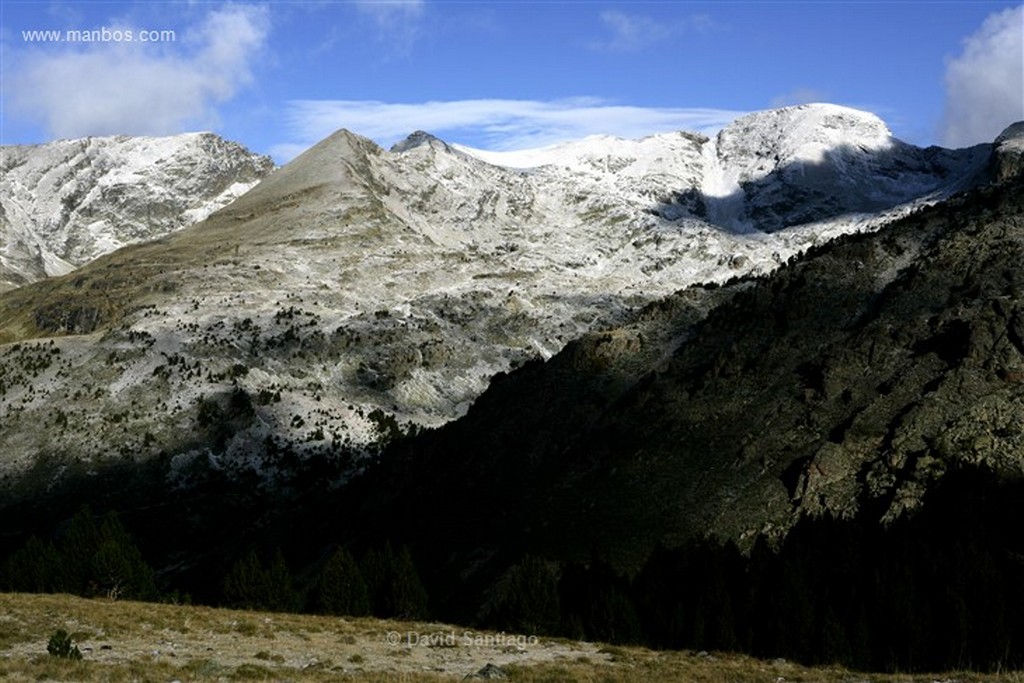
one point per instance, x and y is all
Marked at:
(495, 124)
(631, 32)
(141, 88)
(387, 12)
(636, 32)
(800, 96)
(985, 84)
(398, 22)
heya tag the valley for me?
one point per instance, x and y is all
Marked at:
(773, 363)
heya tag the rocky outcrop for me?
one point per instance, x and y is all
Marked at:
(65, 203)
(1008, 155)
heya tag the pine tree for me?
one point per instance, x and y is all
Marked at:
(78, 545)
(340, 588)
(118, 569)
(529, 603)
(599, 600)
(250, 585)
(393, 584)
(247, 584)
(409, 597)
(36, 568)
(282, 596)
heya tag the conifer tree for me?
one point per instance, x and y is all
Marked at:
(250, 585)
(393, 584)
(340, 588)
(530, 601)
(118, 569)
(595, 597)
(36, 568)
(78, 545)
(247, 584)
(282, 596)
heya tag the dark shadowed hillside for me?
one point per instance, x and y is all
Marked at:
(848, 383)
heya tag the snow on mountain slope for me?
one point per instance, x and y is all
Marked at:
(763, 172)
(64, 203)
(813, 162)
(357, 286)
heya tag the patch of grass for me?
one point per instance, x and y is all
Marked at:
(269, 657)
(252, 672)
(246, 628)
(210, 645)
(12, 632)
(203, 668)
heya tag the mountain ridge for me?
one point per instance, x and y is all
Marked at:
(64, 203)
(374, 288)
(502, 368)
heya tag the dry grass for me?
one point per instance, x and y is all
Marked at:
(125, 642)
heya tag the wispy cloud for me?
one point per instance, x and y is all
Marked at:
(140, 88)
(799, 96)
(398, 22)
(631, 32)
(495, 124)
(637, 32)
(386, 12)
(985, 84)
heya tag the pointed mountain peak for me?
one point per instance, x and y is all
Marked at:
(342, 142)
(418, 139)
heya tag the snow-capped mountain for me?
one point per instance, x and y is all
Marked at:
(64, 203)
(764, 172)
(356, 286)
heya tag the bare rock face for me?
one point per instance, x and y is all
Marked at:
(65, 203)
(1008, 156)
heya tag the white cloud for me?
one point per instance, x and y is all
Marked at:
(495, 124)
(141, 88)
(985, 84)
(398, 22)
(799, 96)
(631, 32)
(387, 12)
(636, 32)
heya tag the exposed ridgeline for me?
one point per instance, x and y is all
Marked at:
(65, 203)
(849, 381)
(356, 289)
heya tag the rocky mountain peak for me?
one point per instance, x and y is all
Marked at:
(1008, 155)
(416, 139)
(801, 164)
(64, 203)
(340, 162)
(790, 129)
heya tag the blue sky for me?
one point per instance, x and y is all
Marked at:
(279, 76)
